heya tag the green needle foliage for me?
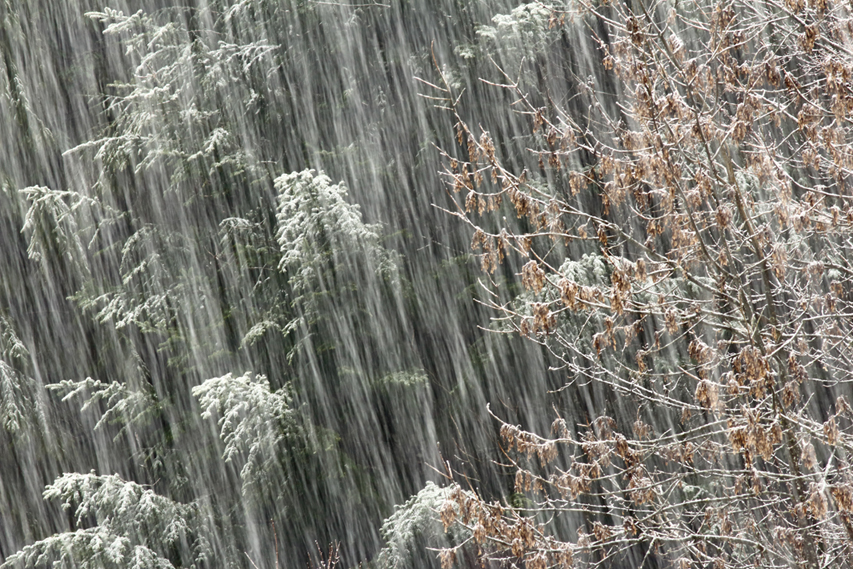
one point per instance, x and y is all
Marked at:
(122, 524)
(255, 423)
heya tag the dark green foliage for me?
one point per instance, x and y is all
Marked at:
(203, 188)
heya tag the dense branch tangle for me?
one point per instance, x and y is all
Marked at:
(712, 202)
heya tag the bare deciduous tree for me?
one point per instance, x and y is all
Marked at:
(712, 202)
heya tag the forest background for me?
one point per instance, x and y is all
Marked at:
(300, 281)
